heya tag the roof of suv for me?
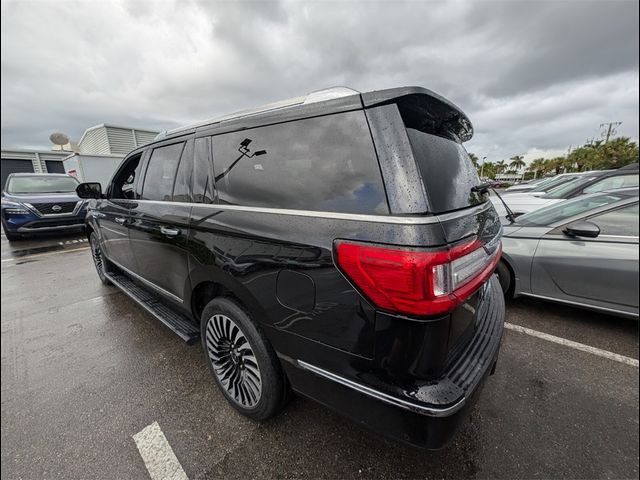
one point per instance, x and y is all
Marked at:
(330, 100)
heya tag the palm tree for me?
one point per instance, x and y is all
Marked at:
(537, 165)
(500, 166)
(517, 162)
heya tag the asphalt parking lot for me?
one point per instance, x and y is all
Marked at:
(84, 369)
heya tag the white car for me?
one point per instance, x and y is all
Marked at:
(528, 186)
(520, 203)
(541, 184)
(591, 182)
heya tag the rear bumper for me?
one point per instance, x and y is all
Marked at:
(425, 416)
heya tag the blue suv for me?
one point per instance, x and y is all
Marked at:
(38, 203)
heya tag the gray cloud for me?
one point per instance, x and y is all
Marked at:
(535, 77)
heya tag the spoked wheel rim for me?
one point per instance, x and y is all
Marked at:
(233, 360)
(96, 253)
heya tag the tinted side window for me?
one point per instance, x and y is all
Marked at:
(623, 221)
(182, 187)
(158, 181)
(325, 164)
(619, 181)
(124, 183)
(202, 171)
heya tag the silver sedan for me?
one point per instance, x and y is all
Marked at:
(581, 252)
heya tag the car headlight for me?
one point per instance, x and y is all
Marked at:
(15, 208)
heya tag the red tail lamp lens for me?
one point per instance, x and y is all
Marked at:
(416, 282)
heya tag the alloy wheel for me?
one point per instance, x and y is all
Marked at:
(233, 360)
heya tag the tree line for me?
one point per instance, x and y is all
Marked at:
(596, 155)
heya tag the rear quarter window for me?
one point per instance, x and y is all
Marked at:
(323, 164)
(447, 171)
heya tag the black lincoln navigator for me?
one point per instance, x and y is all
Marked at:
(336, 245)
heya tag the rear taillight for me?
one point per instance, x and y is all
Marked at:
(416, 282)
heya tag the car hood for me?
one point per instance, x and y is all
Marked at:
(521, 202)
(42, 198)
(520, 195)
(519, 189)
(524, 231)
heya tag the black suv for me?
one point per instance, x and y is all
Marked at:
(336, 245)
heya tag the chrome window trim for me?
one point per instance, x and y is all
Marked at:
(359, 217)
(384, 397)
(146, 282)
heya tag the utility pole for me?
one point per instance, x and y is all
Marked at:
(608, 129)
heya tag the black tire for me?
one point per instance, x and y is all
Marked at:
(11, 237)
(98, 259)
(235, 373)
(506, 278)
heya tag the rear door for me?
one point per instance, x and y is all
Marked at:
(159, 226)
(601, 272)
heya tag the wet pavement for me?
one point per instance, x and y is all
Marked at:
(84, 369)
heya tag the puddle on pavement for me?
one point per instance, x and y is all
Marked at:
(56, 247)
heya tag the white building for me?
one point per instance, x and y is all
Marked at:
(14, 160)
(510, 176)
(103, 147)
(112, 140)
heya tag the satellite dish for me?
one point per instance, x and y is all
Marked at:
(59, 139)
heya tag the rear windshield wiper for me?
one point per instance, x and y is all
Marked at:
(510, 215)
(484, 188)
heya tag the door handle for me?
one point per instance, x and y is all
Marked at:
(170, 232)
(120, 220)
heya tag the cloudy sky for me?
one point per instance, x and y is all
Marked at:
(534, 77)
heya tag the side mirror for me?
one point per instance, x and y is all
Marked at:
(582, 228)
(89, 190)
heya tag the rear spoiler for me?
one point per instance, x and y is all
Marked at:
(424, 110)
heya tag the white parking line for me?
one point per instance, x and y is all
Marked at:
(158, 455)
(569, 343)
(15, 259)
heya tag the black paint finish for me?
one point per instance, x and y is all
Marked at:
(280, 266)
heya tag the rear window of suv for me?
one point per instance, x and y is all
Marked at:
(447, 171)
(322, 164)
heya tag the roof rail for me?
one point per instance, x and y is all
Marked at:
(313, 97)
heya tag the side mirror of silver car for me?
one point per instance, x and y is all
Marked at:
(582, 228)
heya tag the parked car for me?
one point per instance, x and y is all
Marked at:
(312, 248)
(40, 203)
(593, 182)
(542, 186)
(581, 252)
(525, 186)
